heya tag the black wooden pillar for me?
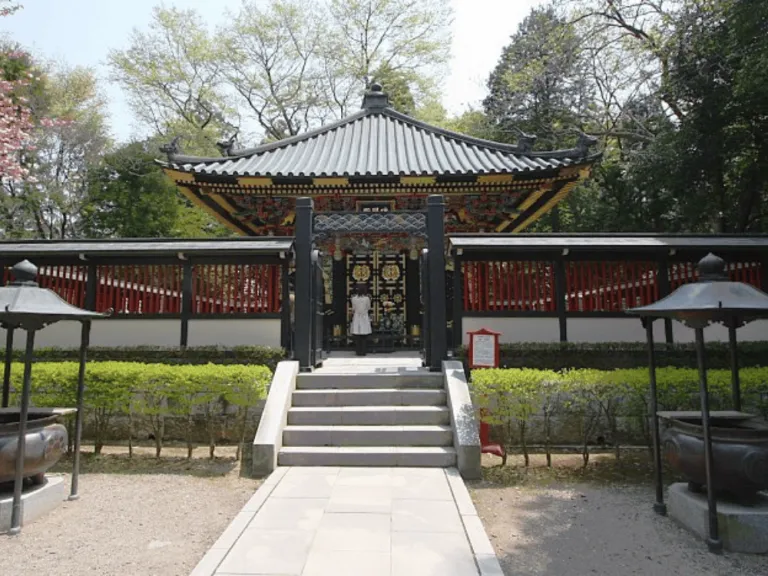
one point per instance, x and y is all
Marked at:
(458, 302)
(559, 268)
(303, 312)
(664, 290)
(285, 306)
(436, 246)
(186, 301)
(339, 290)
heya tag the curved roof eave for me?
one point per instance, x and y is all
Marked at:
(481, 151)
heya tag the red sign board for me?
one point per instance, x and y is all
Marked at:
(484, 348)
(484, 353)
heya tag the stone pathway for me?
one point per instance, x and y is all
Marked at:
(335, 521)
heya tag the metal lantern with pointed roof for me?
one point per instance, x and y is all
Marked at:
(26, 306)
(713, 299)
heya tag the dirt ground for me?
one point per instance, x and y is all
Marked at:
(565, 522)
(141, 517)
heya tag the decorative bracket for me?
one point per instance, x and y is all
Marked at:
(329, 223)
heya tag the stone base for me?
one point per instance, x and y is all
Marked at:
(742, 528)
(35, 502)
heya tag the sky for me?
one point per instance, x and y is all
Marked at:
(81, 33)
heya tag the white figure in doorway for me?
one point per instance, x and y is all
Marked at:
(361, 321)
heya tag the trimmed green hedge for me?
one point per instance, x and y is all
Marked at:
(152, 355)
(149, 394)
(510, 397)
(610, 356)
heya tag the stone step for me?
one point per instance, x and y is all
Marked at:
(426, 456)
(367, 436)
(378, 397)
(368, 415)
(420, 380)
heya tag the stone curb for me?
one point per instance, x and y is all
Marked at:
(485, 556)
(466, 429)
(274, 418)
(216, 553)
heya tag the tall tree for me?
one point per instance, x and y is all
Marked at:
(172, 75)
(129, 196)
(408, 37)
(280, 67)
(271, 60)
(539, 85)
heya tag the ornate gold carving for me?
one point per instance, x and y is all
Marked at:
(390, 272)
(361, 272)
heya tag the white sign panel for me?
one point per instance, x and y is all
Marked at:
(483, 350)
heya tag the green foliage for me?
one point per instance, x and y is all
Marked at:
(508, 396)
(540, 83)
(259, 355)
(129, 196)
(615, 355)
(147, 393)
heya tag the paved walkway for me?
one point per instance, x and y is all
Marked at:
(355, 522)
(348, 363)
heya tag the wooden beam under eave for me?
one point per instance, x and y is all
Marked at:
(190, 195)
(224, 204)
(534, 197)
(179, 176)
(253, 181)
(495, 178)
(330, 181)
(418, 180)
(552, 202)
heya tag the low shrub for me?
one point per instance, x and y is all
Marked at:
(616, 355)
(148, 394)
(260, 355)
(510, 397)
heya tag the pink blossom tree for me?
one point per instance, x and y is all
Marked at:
(15, 117)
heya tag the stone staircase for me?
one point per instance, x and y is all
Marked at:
(348, 419)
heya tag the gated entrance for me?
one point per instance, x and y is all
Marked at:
(385, 275)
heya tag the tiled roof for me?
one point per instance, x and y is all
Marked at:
(379, 141)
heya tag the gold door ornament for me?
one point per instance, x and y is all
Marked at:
(390, 272)
(361, 272)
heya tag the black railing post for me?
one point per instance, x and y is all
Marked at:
(664, 290)
(285, 307)
(303, 292)
(186, 301)
(458, 302)
(559, 269)
(436, 246)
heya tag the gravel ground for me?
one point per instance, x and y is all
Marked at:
(582, 530)
(130, 524)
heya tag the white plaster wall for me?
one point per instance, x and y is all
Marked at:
(514, 329)
(611, 330)
(601, 330)
(105, 333)
(238, 332)
(116, 333)
(754, 331)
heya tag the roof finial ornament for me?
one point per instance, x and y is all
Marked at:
(375, 98)
(584, 143)
(24, 272)
(525, 142)
(712, 269)
(227, 147)
(171, 149)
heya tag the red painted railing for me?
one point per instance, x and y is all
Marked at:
(236, 288)
(609, 286)
(509, 286)
(145, 289)
(157, 289)
(604, 286)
